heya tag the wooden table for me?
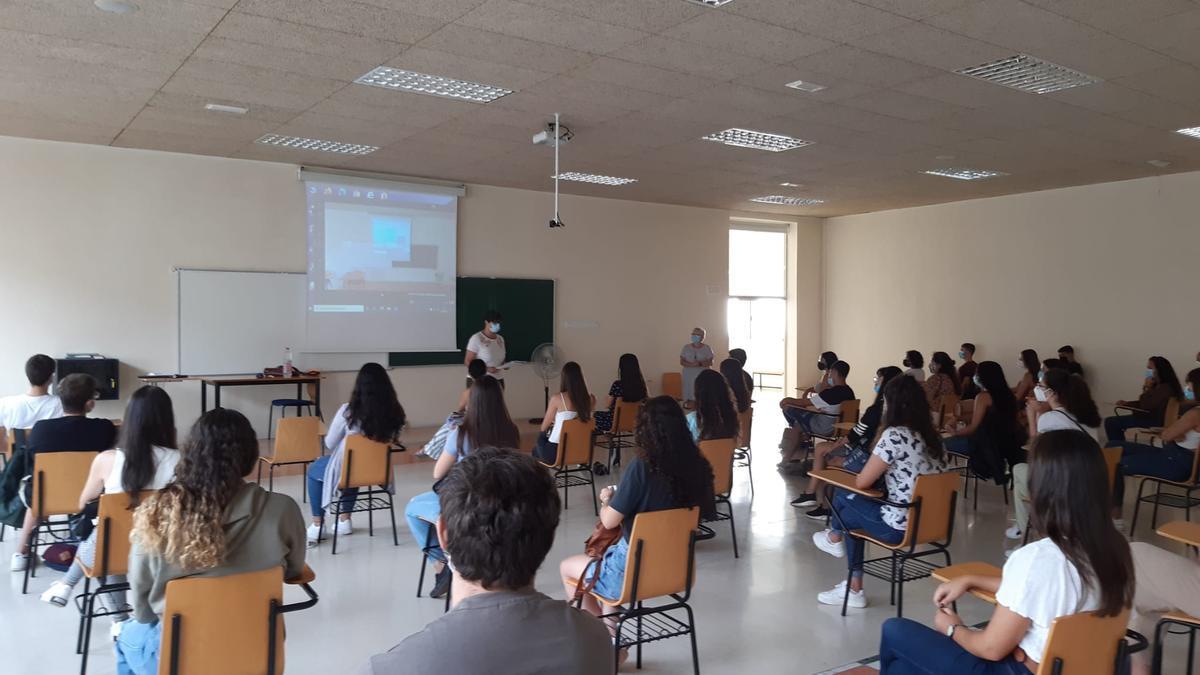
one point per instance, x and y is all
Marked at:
(243, 381)
(843, 479)
(978, 569)
(1182, 531)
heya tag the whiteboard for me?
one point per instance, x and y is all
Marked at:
(236, 323)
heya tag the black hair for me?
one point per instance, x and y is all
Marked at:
(493, 315)
(486, 421)
(715, 413)
(1071, 500)
(1004, 402)
(149, 421)
(1033, 365)
(373, 407)
(476, 369)
(731, 368)
(39, 368)
(1193, 378)
(906, 405)
(945, 366)
(664, 443)
(1074, 395)
(75, 390)
(1049, 364)
(575, 387)
(913, 359)
(738, 354)
(968, 347)
(827, 359)
(1166, 375)
(500, 510)
(885, 374)
(633, 385)
(841, 368)
(1066, 349)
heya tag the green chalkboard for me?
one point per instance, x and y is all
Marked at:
(527, 306)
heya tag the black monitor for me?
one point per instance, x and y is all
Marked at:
(102, 369)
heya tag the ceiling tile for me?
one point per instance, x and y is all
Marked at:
(346, 16)
(966, 91)
(200, 123)
(1178, 84)
(538, 107)
(1013, 24)
(831, 19)
(170, 26)
(1115, 14)
(189, 104)
(175, 142)
(447, 10)
(1105, 97)
(542, 24)
(460, 67)
(747, 37)
(917, 9)
(642, 77)
(80, 101)
(505, 49)
(899, 104)
(776, 79)
(21, 48)
(930, 46)
(694, 59)
(782, 102)
(380, 105)
(854, 64)
(648, 16)
(39, 126)
(600, 92)
(343, 67)
(273, 33)
(1174, 35)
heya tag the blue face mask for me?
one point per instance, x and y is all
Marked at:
(494, 327)
(695, 339)
(978, 382)
(830, 381)
(877, 387)
(1189, 394)
(1041, 376)
(1149, 373)
(962, 354)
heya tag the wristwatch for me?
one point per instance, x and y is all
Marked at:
(950, 629)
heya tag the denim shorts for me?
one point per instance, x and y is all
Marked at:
(612, 571)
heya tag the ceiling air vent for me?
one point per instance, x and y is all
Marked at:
(1029, 74)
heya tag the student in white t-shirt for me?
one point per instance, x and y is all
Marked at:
(1083, 565)
(22, 411)
(488, 346)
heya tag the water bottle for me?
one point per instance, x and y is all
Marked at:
(287, 362)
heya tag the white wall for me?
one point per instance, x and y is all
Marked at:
(1108, 268)
(90, 236)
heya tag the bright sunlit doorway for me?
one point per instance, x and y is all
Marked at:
(757, 306)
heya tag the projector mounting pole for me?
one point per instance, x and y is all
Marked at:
(557, 141)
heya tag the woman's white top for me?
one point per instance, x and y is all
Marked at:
(1190, 440)
(335, 442)
(165, 460)
(489, 350)
(1040, 584)
(1057, 420)
(917, 374)
(560, 417)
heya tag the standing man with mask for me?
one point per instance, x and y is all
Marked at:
(488, 346)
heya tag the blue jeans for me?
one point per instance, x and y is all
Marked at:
(909, 648)
(1170, 462)
(316, 484)
(959, 445)
(1115, 426)
(855, 512)
(421, 508)
(810, 421)
(137, 648)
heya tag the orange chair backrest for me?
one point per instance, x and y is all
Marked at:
(937, 492)
(58, 479)
(625, 416)
(719, 453)
(949, 407)
(1112, 457)
(365, 463)
(664, 536)
(1086, 643)
(297, 439)
(745, 425)
(849, 411)
(672, 385)
(224, 623)
(5, 443)
(114, 523)
(575, 443)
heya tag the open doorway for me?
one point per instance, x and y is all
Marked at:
(757, 306)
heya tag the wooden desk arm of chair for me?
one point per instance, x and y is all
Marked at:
(1118, 408)
(306, 577)
(978, 569)
(845, 480)
(1140, 643)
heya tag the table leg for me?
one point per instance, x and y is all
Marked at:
(203, 397)
(318, 401)
(216, 395)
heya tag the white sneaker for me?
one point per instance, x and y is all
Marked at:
(1014, 532)
(114, 631)
(19, 562)
(835, 595)
(58, 594)
(344, 528)
(313, 534)
(836, 549)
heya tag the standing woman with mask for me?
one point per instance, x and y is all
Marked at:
(695, 357)
(488, 345)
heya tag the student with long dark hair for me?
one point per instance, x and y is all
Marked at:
(476, 370)
(207, 522)
(994, 437)
(734, 377)
(914, 365)
(1031, 368)
(629, 386)
(1159, 387)
(573, 402)
(942, 381)
(374, 412)
(1083, 564)
(486, 424)
(908, 447)
(738, 354)
(966, 372)
(145, 460)
(714, 416)
(669, 472)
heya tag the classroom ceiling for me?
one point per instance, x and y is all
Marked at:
(638, 81)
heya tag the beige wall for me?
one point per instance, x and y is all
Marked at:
(90, 235)
(1109, 268)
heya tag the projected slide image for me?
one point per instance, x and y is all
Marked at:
(362, 249)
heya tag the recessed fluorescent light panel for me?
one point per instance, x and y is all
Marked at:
(301, 143)
(433, 85)
(1194, 132)
(802, 85)
(222, 108)
(1029, 74)
(594, 178)
(789, 185)
(710, 3)
(787, 201)
(965, 174)
(758, 140)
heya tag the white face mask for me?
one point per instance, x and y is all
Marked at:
(1039, 392)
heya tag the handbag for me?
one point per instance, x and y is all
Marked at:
(81, 524)
(596, 545)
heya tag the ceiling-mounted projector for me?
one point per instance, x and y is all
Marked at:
(547, 137)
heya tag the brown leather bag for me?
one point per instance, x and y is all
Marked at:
(601, 538)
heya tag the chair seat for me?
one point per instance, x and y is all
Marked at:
(862, 534)
(1180, 483)
(1180, 617)
(574, 581)
(284, 402)
(271, 460)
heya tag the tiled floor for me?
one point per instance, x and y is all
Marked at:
(756, 612)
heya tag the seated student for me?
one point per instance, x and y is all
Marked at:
(851, 451)
(1082, 565)
(22, 411)
(629, 386)
(738, 354)
(374, 412)
(1166, 582)
(208, 522)
(668, 473)
(993, 424)
(499, 515)
(714, 416)
(476, 369)
(966, 372)
(573, 402)
(485, 424)
(73, 432)
(942, 381)
(1172, 461)
(145, 461)
(1030, 369)
(1066, 354)
(914, 364)
(908, 447)
(732, 370)
(1063, 401)
(824, 363)
(807, 412)
(1160, 386)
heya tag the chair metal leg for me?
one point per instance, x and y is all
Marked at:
(370, 518)
(692, 635)
(1137, 506)
(270, 420)
(392, 510)
(79, 637)
(899, 582)
(566, 479)
(1157, 499)
(304, 482)
(592, 480)
(846, 596)
(90, 605)
(337, 513)
(33, 537)
(639, 633)
(270, 478)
